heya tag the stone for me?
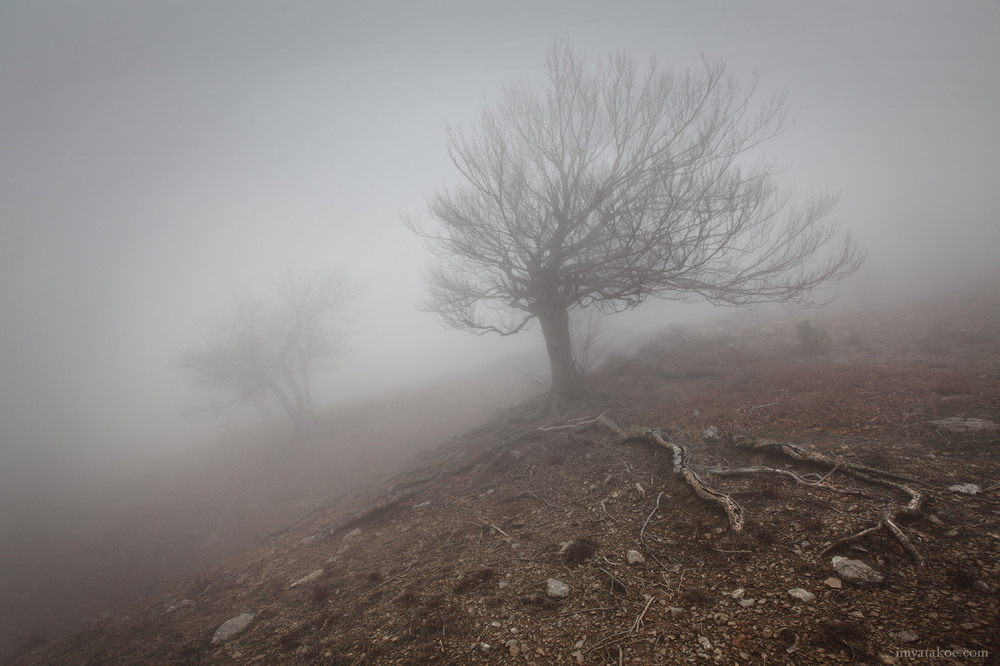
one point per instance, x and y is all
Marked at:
(556, 588)
(833, 582)
(635, 557)
(710, 434)
(353, 534)
(907, 636)
(737, 593)
(965, 488)
(747, 603)
(801, 594)
(183, 603)
(855, 571)
(232, 627)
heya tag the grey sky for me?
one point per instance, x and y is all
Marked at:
(154, 154)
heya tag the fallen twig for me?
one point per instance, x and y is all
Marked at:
(638, 620)
(642, 531)
(484, 525)
(584, 610)
(615, 580)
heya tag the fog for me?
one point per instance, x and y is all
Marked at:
(156, 156)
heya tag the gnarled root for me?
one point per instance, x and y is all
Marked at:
(735, 512)
(887, 521)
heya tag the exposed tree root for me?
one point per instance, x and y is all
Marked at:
(888, 524)
(887, 521)
(736, 513)
(760, 469)
(798, 453)
(737, 518)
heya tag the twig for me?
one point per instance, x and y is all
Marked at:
(642, 531)
(638, 620)
(484, 525)
(615, 580)
(584, 610)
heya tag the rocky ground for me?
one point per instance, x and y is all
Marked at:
(533, 540)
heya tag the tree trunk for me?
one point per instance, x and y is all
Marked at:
(289, 406)
(565, 375)
(307, 390)
(293, 387)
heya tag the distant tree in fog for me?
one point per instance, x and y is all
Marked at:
(267, 348)
(613, 185)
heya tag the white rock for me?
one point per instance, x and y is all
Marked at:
(907, 636)
(855, 571)
(635, 557)
(710, 433)
(737, 593)
(747, 603)
(965, 488)
(231, 627)
(801, 595)
(183, 603)
(556, 588)
(353, 534)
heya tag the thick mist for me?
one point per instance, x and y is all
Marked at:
(156, 156)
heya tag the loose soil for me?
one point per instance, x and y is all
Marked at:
(448, 562)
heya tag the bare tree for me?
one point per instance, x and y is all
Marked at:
(268, 348)
(611, 186)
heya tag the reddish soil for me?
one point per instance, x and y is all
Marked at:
(451, 561)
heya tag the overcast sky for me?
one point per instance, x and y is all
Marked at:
(155, 154)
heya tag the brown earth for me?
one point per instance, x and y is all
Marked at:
(448, 562)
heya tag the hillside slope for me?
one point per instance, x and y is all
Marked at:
(453, 561)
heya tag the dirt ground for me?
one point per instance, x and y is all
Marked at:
(451, 561)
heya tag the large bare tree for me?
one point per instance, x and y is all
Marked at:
(611, 185)
(269, 347)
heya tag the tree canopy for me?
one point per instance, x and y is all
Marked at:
(268, 347)
(612, 185)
